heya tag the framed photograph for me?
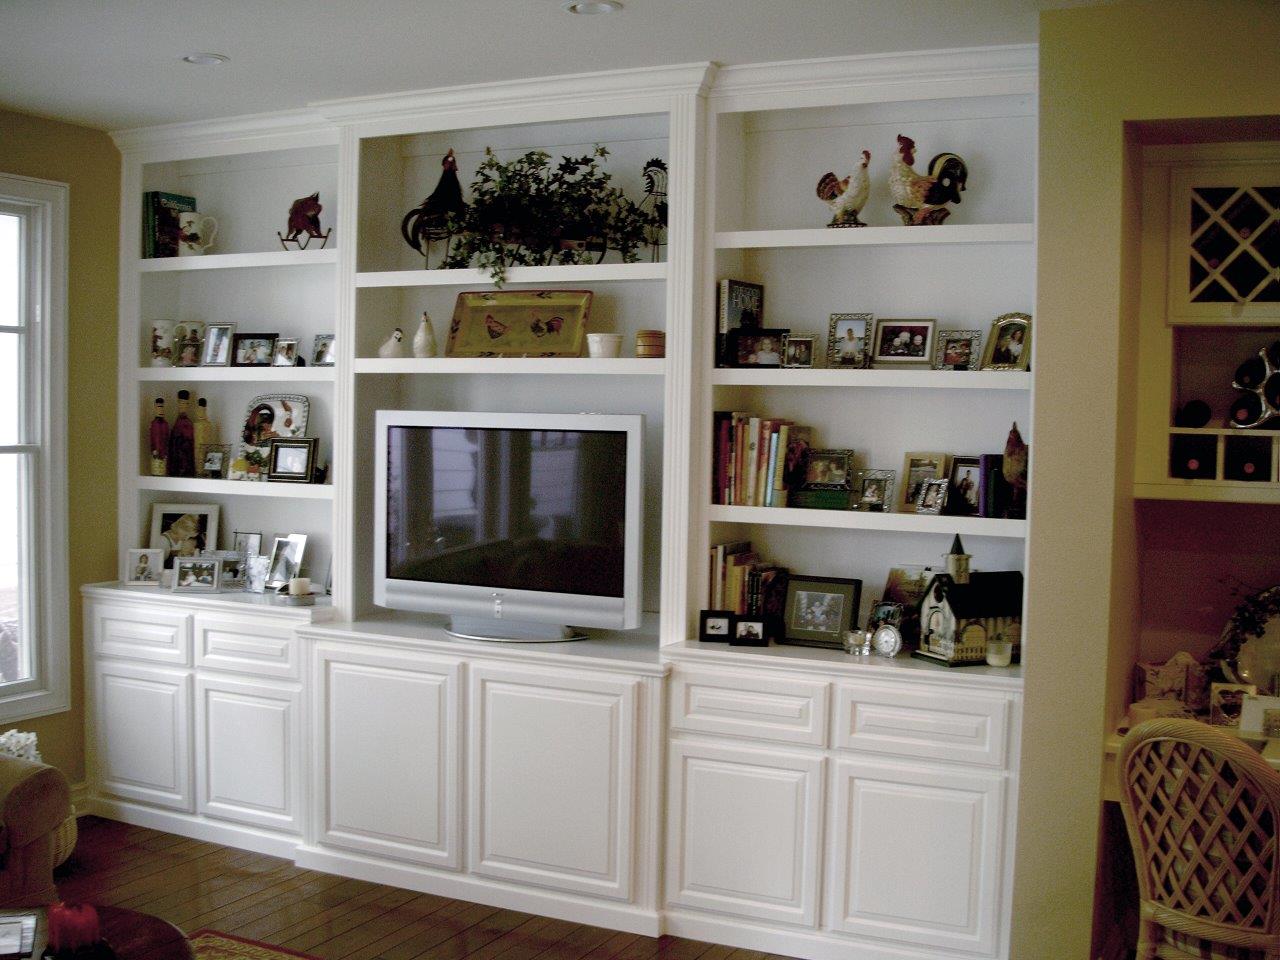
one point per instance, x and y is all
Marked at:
(183, 529)
(1008, 343)
(797, 351)
(196, 574)
(292, 461)
(873, 490)
(820, 610)
(849, 340)
(964, 493)
(144, 568)
(233, 572)
(285, 352)
(829, 470)
(756, 348)
(916, 469)
(519, 323)
(903, 343)
(715, 626)
(187, 338)
(322, 350)
(256, 570)
(286, 560)
(217, 345)
(252, 349)
(957, 350)
(271, 416)
(886, 611)
(749, 632)
(248, 544)
(933, 496)
(217, 457)
(1226, 701)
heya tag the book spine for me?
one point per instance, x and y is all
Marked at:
(722, 321)
(778, 497)
(753, 461)
(772, 469)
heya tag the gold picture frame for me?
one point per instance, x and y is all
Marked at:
(519, 323)
(917, 468)
(1005, 349)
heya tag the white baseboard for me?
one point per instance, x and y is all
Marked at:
(196, 827)
(805, 944)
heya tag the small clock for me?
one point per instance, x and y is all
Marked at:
(887, 640)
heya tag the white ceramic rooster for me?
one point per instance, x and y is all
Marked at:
(393, 346)
(846, 197)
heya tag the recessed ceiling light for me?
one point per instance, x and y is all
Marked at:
(205, 59)
(591, 6)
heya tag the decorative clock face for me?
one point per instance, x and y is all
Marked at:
(887, 640)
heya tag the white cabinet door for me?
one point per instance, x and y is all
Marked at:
(552, 775)
(743, 829)
(249, 752)
(142, 731)
(917, 854)
(387, 777)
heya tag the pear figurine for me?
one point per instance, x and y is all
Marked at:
(393, 347)
(424, 341)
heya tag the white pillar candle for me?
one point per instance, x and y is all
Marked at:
(299, 586)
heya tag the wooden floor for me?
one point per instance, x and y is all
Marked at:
(198, 885)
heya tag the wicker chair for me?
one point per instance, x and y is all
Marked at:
(1203, 811)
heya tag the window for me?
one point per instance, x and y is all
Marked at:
(33, 551)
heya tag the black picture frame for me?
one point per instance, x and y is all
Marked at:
(964, 490)
(716, 626)
(820, 610)
(749, 631)
(264, 348)
(746, 345)
(284, 474)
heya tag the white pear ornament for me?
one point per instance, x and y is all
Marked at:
(424, 341)
(394, 346)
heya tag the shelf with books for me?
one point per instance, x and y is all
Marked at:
(908, 379)
(859, 520)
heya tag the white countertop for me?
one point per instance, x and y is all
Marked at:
(230, 602)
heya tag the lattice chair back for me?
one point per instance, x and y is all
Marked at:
(1202, 810)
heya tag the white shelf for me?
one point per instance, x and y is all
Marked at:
(549, 365)
(238, 261)
(1220, 491)
(913, 379)
(586, 273)
(857, 520)
(244, 488)
(876, 236)
(242, 374)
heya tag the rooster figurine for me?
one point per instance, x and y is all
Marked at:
(304, 218)
(923, 199)
(429, 222)
(846, 197)
(1014, 469)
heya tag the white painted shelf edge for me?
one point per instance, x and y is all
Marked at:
(245, 488)
(585, 273)
(1226, 491)
(858, 520)
(876, 236)
(224, 601)
(238, 261)
(912, 379)
(245, 374)
(514, 365)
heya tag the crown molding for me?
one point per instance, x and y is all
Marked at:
(265, 130)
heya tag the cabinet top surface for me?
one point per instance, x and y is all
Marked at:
(250, 604)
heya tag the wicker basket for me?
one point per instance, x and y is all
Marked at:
(64, 840)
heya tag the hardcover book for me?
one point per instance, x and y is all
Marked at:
(160, 222)
(739, 305)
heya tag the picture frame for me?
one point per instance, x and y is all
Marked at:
(286, 560)
(143, 567)
(829, 470)
(933, 496)
(183, 529)
(749, 631)
(271, 416)
(233, 572)
(903, 343)
(916, 469)
(886, 611)
(253, 349)
(519, 323)
(249, 544)
(285, 352)
(1008, 343)
(715, 626)
(873, 490)
(256, 569)
(820, 610)
(849, 340)
(756, 347)
(964, 493)
(957, 350)
(292, 460)
(797, 352)
(217, 347)
(196, 574)
(322, 350)
(188, 338)
(217, 458)
(1226, 702)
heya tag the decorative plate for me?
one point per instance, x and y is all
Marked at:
(519, 323)
(272, 416)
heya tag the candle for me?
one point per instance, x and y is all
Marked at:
(299, 586)
(72, 926)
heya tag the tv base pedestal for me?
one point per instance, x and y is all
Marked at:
(510, 631)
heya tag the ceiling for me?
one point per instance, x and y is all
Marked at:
(114, 64)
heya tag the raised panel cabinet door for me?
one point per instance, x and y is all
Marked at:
(743, 831)
(388, 779)
(552, 775)
(140, 632)
(249, 752)
(142, 733)
(916, 854)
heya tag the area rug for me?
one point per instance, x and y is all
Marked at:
(214, 945)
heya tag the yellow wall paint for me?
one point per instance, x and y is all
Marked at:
(88, 161)
(1099, 67)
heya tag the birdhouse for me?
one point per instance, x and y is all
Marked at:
(958, 620)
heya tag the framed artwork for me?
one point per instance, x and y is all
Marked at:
(322, 350)
(715, 626)
(933, 496)
(957, 350)
(820, 610)
(270, 417)
(248, 544)
(903, 343)
(797, 352)
(144, 567)
(849, 340)
(873, 490)
(217, 345)
(196, 574)
(916, 469)
(756, 347)
(285, 352)
(519, 323)
(183, 529)
(252, 349)
(1008, 343)
(286, 560)
(964, 491)
(292, 461)
(187, 338)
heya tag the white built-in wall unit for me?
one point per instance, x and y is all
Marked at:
(789, 799)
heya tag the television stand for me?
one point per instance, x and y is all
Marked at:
(510, 631)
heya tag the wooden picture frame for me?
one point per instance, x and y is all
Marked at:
(820, 610)
(849, 340)
(903, 343)
(918, 467)
(964, 493)
(283, 463)
(1008, 343)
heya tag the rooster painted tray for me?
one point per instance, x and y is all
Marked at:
(519, 323)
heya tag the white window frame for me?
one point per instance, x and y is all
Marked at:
(43, 207)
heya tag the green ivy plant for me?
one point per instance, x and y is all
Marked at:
(527, 212)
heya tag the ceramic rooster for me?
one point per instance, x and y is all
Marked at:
(429, 222)
(1015, 473)
(846, 197)
(922, 199)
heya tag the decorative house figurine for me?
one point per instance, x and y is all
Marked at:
(182, 441)
(206, 431)
(846, 197)
(958, 562)
(304, 218)
(959, 620)
(922, 199)
(158, 440)
(393, 347)
(424, 341)
(429, 221)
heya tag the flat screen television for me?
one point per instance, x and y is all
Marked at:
(513, 525)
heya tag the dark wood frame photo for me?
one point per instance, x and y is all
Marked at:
(799, 625)
(241, 338)
(707, 617)
(921, 358)
(742, 342)
(274, 473)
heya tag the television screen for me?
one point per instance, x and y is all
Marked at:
(509, 509)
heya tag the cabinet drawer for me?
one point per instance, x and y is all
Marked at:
(153, 634)
(251, 645)
(781, 709)
(933, 724)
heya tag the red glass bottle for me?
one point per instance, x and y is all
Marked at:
(158, 439)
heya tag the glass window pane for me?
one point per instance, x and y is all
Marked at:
(15, 622)
(10, 389)
(9, 264)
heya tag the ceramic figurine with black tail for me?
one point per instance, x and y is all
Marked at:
(654, 204)
(921, 200)
(846, 197)
(182, 440)
(429, 222)
(304, 224)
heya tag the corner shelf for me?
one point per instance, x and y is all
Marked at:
(244, 488)
(238, 261)
(876, 236)
(631, 366)
(857, 520)
(585, 273)
(912, 379)
(238, 374)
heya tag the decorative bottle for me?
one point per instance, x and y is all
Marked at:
(159, 440)
(182, 443)
(424, 341)
(206, 431)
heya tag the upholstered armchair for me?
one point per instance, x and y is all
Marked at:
(35, 806)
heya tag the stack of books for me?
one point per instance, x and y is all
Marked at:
(758, 461)
(743, 584)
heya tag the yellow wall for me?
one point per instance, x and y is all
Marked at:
(87, 160)
(1100, 66)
